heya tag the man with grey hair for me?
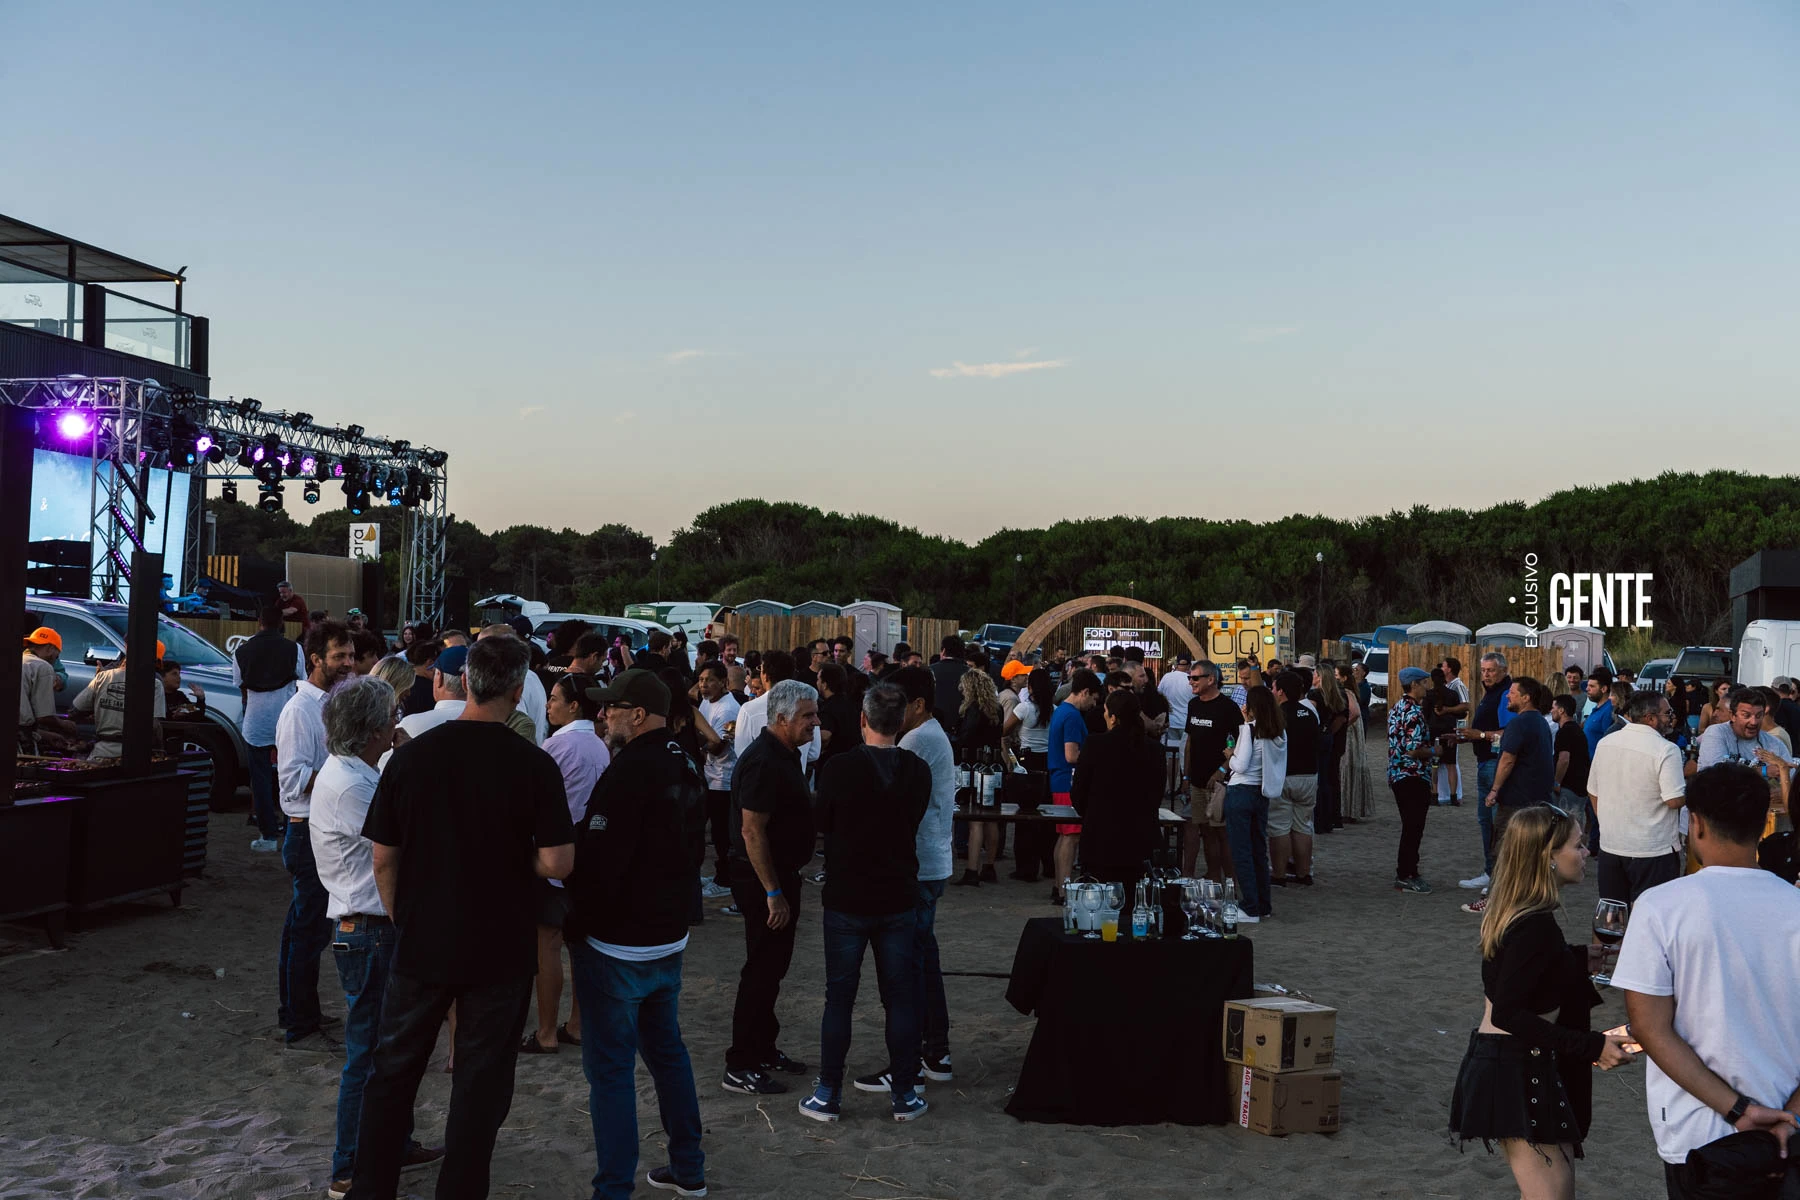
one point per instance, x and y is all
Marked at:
(447, 693)
(771, 839)
(359, 728)
(466, 819)
(1491, 716)
(871, 799)
(530, 717)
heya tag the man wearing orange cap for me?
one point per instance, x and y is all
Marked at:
(38, 686)
(105, 699)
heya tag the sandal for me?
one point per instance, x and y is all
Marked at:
(565, 1038)
(532, 1046)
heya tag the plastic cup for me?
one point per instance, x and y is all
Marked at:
(1109, 925)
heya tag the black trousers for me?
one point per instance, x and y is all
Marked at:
(488, 1020)
(1413, 795)
(718, 817)
(767, 953)
(1626, 879)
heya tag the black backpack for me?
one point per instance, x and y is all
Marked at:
(691, 802)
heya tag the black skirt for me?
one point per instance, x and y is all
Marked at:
(1507, 1089)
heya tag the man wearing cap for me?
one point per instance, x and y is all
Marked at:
(38, 686)
(448, 695)
(293, 606)
(1410, 751)
(267, 669)
(104, 699)
(632, 889)
(300, 752)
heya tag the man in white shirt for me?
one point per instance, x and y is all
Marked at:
(1637, 789)
(266, 670)
(753, 717)
(719, 709)
(926, 738)
(359, 729)
(448, 694)
(1707, 964)
(300, 752)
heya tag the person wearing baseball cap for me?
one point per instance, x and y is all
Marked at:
(38, 685)
(1410, 754)
(104, 701)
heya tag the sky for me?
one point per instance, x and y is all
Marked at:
(965, 266)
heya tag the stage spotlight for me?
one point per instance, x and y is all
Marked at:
(215, 455)
(299, 420)
(249, 406)
(321, 468)
(425, 490)
(337, 470)
(228, 492)
(75, 424)
(399, 445)
(311, 493)
(353, 431)
(378, 479)
(308, 464)
(270, 499)
(291, 464)
(358, 503)
(436, 458)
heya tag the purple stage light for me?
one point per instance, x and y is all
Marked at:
(73, 425)
(283, 460)
(204, 444)
(337, 470)
(308, 465)
(257, 454)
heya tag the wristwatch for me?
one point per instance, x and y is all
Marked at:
(1737, 1109)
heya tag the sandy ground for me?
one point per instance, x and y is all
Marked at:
(130, 1067)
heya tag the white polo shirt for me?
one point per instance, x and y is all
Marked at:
(431, 718)
(1634, 772)
(345, 859)
(300, 748)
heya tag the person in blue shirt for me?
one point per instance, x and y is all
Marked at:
(1599, 721)
(1068, 731)
(1491, 717)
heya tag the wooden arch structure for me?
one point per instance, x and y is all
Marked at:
(1039, 629)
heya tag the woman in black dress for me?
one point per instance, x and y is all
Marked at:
(1118, 789)
(1525, 1081)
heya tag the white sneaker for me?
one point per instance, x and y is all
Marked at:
(1480, 881)
(1246, 919)
(265, 846)
(713, 891)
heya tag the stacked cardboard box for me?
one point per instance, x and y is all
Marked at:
(1282, 1078)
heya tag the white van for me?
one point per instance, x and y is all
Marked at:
(1769, 648)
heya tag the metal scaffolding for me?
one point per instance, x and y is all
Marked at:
(135, 424)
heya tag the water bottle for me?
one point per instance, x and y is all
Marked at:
(1140, 922)
(1230, 918)
(1068, 891)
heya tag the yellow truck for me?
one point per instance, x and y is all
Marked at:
(1230, 634)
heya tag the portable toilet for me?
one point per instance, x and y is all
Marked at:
(1438, 633)
(877, 626)
(1582, 646)
(765, 608)
(1506, 634)
(817, 608)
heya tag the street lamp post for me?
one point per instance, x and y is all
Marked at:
(658, 567)
(1319, 557)
(1013, 616)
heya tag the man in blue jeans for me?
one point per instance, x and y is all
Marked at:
(300, 753)
(265, 669)
(631, 892)
(871, 800)
(359, 728)
(1491, 716)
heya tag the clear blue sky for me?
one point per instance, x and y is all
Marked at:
(625, 262)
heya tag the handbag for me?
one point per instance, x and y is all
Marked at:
(1274, 777)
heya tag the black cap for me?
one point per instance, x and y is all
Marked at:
(638, 688)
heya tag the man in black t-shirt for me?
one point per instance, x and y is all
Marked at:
(1571, 751)
(871, 799)
(1291, 816)
(839, 727)
(771, 839)
(1213, 721)
(946, 679)
(467, 818)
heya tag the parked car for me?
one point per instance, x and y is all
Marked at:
(1375, 662)
(1769, 649)
(93, 637)
(543, 625)
(1705, 663)
(1654, 674)
(996, 639)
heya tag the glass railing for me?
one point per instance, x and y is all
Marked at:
(33, 300)
(147, 330)
(51, 304)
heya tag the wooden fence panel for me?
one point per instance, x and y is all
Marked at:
(927, 634)
(784, 633)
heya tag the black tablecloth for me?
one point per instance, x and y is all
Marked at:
(1128, 1032)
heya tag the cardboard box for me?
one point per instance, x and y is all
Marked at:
(1280, 1034)
(1287, 1102)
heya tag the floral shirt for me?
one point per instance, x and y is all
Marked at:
(1406, 733)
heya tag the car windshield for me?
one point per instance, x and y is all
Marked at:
(181, 644)
(1716, 663)
(1003, 633)
(1375, 660)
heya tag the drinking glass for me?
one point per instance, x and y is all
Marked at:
(1115, 895)
(1109, 924)
(1092, 896)
(1610, 917)
(1190, 905)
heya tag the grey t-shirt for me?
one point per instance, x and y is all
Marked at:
(930, 743)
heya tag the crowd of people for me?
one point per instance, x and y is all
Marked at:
(458, 812)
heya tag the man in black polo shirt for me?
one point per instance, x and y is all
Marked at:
(771, 839)
(467, 817)
(946, 680)
(1291, 815)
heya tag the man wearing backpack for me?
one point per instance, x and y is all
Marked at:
(632, 890)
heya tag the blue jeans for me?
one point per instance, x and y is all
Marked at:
(931, 1005)
(1247, 828)
(262, 791)
(1484, 783)
(364, 956)
(630, 1009)
(895, 939)
(304, 935)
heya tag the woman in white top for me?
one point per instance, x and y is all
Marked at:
(1030, 720)
(1258, 766)
(581, 753)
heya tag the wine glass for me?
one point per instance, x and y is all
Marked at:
(1115, 895)
(1190, 905)
(1093, 898)
(1610, 917)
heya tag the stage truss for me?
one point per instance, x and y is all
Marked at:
(135, 425)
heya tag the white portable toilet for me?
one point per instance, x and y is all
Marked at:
(1507, 634)
(1438, 633)
(1583, 646)
(877, 627)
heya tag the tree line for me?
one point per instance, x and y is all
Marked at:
(1687, 529)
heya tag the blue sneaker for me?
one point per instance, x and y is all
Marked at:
(909, 1107)
(825, 1104)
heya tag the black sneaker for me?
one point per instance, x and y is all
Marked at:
(751, 1083)
(664, 1178)
(731, 910)
(936, 1069)
(881, 1082)
(785, 1065)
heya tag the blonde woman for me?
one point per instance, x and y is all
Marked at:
(979, 737)
(398, 674)
(1356, 798)
(1525, 1081)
